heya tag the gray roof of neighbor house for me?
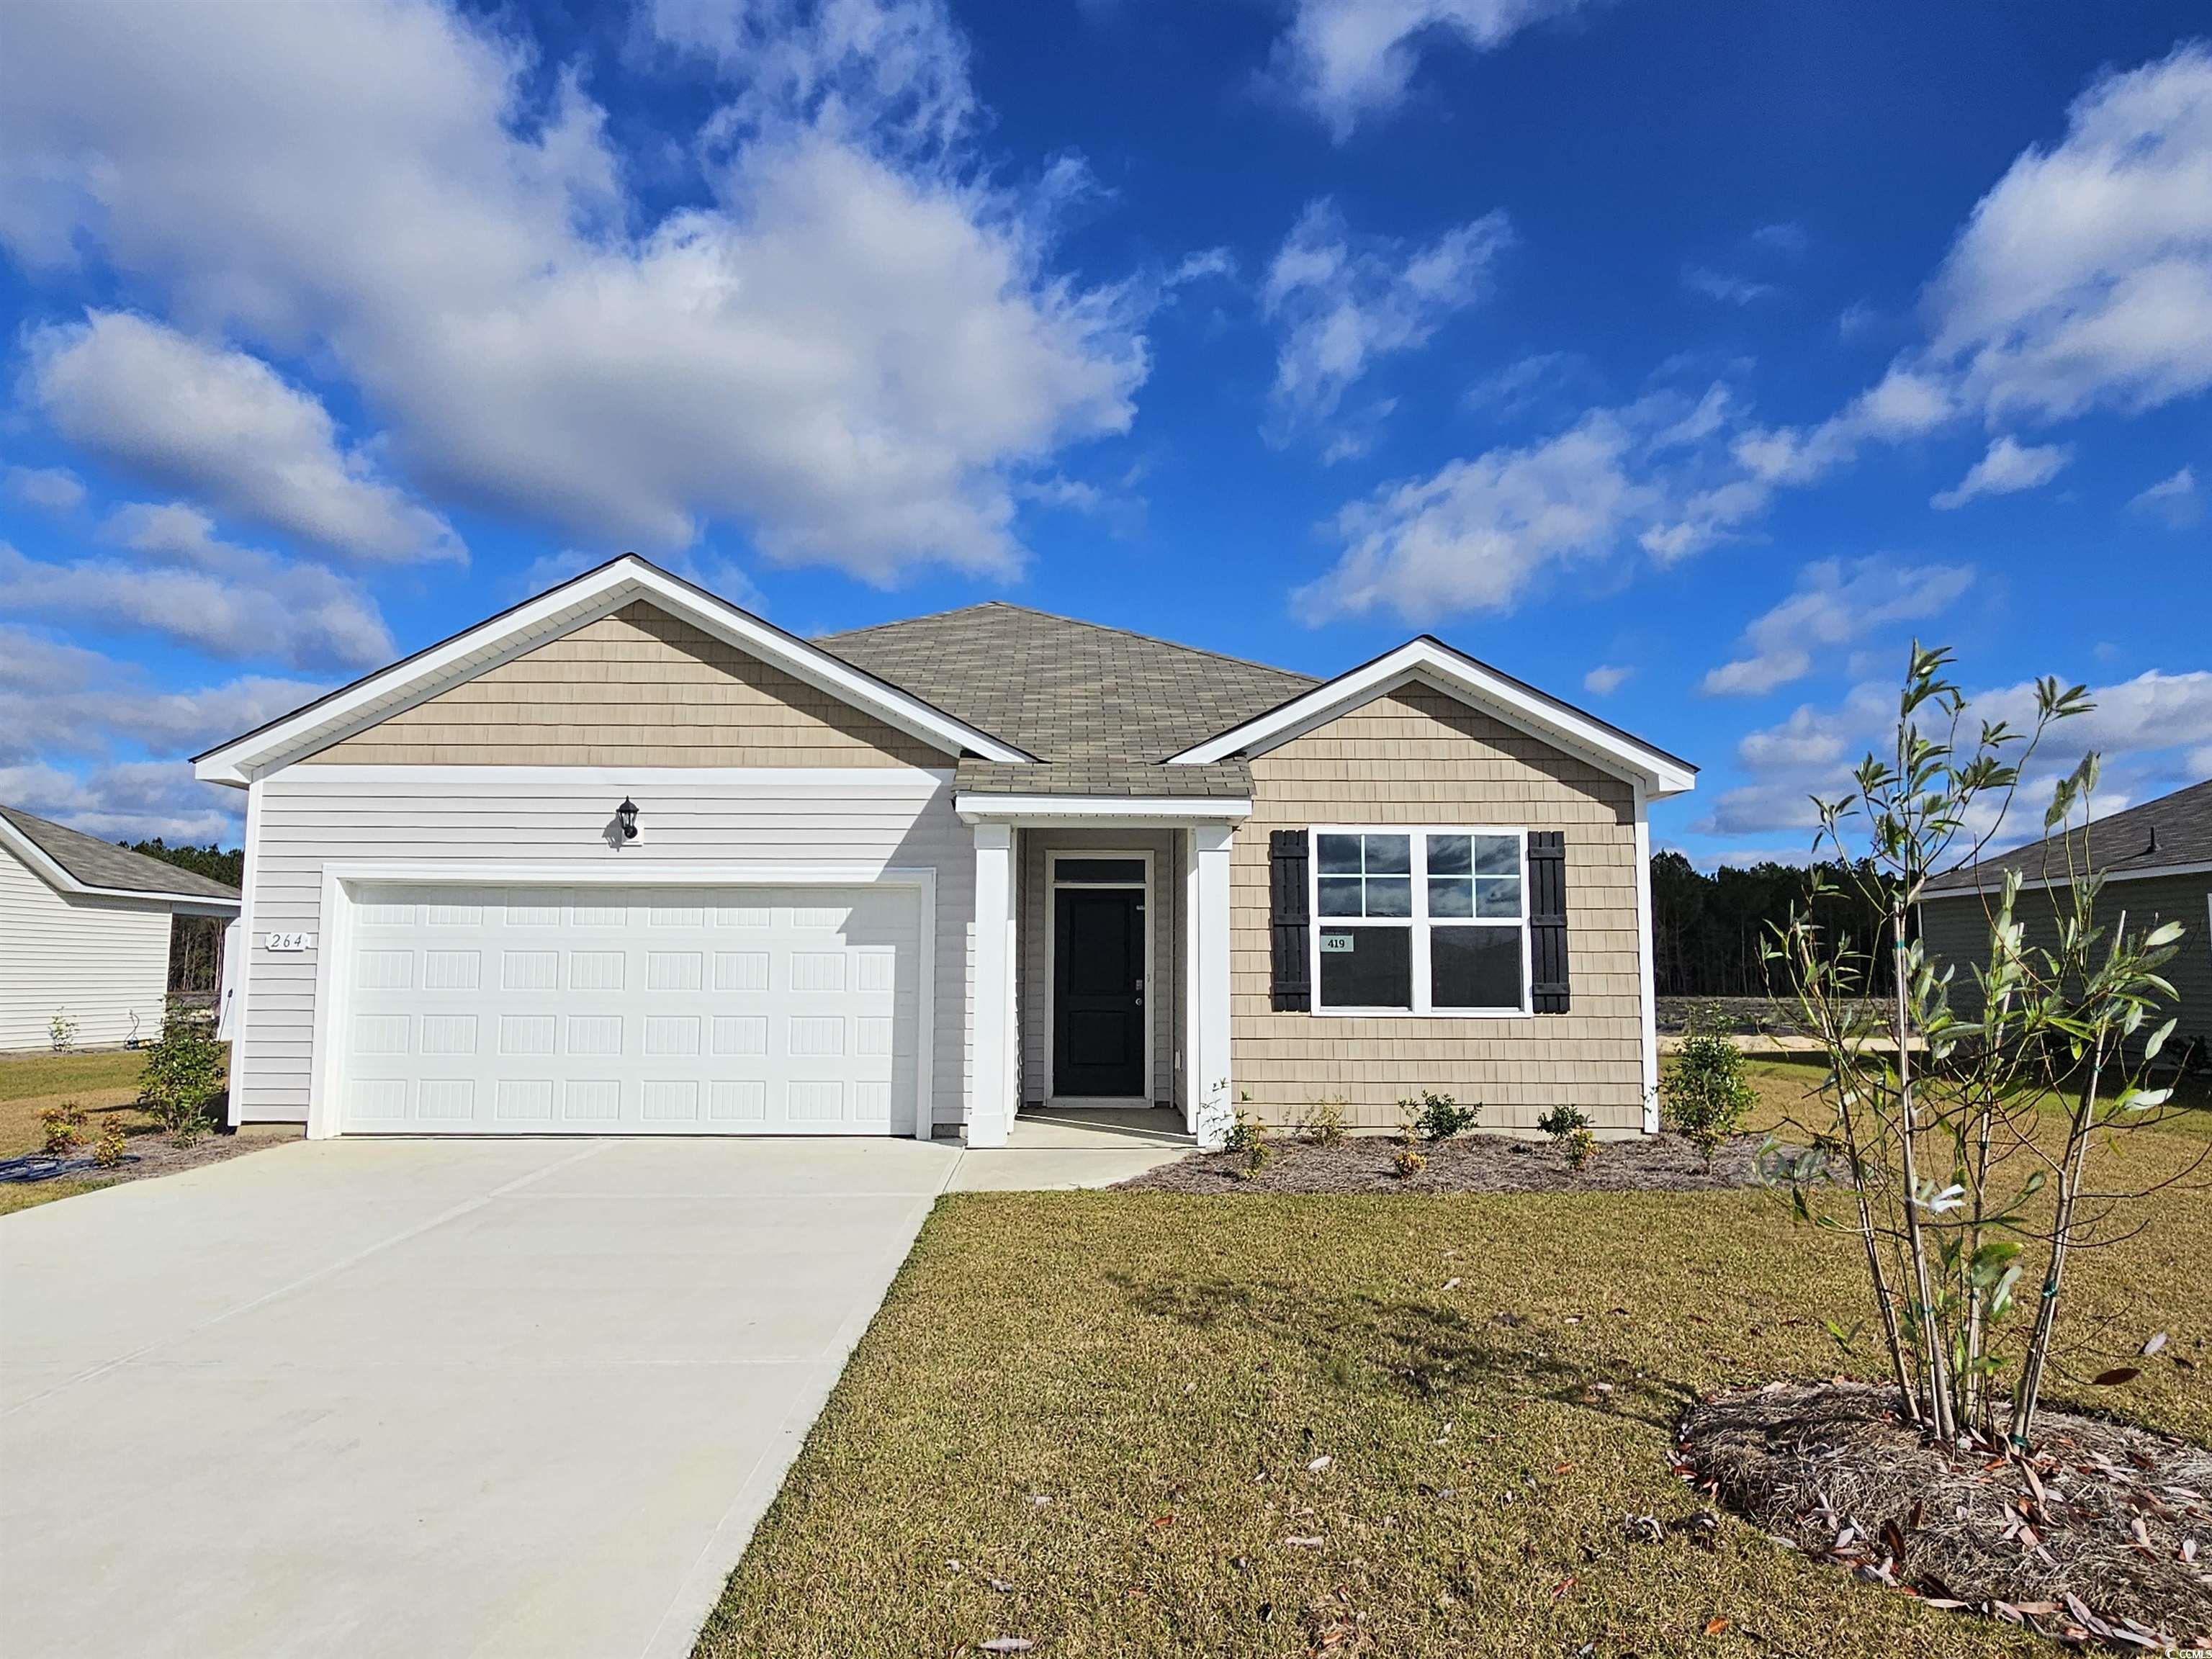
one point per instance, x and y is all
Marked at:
(1071, 692)
(101, 864)
(2175, 829)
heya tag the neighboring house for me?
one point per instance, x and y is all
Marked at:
(2156, 862)
(915, 877)
(85, 933)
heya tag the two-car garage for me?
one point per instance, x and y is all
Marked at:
(590, 1009)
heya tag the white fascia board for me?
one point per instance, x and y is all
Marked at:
(1060, 810)
(589, 597)
(1463, 676)
(1993, 877)
(44, 866)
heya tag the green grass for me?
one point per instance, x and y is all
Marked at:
(1162, 1369)
(29, 1076)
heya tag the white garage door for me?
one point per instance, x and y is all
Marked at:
(631, 1011)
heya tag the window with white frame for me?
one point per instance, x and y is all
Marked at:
(1429, 920)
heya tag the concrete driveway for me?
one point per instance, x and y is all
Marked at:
(422, 1398)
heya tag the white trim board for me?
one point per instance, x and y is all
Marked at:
(1147, 887)
(594, 594)
(49, 870)
(1048, 812)
(335, 943)
(1433, 663)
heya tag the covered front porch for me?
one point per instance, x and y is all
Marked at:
(1101, 967)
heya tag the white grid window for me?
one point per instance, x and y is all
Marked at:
(1433, 920)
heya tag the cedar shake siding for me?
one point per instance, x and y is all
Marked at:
(1420, 757)
(638, 688)
(1955, 927)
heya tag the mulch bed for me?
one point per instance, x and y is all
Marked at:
(1472, 1163)
(143, 1155)
(2103, 1535)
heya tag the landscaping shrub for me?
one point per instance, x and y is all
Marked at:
(62, 1127)
(1438, 1117)
(61, 1032)
(1248, 1140)
(1569, 1128)
(108, 1147)
(184, 1072)
(1323, 1123)
(1706, 1094)
(1410, 1162)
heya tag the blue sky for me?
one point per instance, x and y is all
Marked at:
(1686, 362)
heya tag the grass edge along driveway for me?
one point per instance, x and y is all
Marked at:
(1137, 1423)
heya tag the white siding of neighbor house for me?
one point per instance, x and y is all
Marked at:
(309, 816)
(103, 962)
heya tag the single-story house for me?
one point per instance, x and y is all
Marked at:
(2156, 862)
(626, 859)
(86, 930)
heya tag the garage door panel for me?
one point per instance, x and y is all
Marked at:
(548, 1010)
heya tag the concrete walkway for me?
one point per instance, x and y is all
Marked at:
(417, 1398)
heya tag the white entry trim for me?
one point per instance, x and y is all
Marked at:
(1052, 887)
(1053, 812)
(335, 946)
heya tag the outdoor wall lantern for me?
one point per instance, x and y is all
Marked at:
(626, 816)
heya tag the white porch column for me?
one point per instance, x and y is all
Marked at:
(991, 1078)
(1210, 1091)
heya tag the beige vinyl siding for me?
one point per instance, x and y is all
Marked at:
(1956, 931)
(1164, 994)
(1419, 756)
(638, 688)
(310, 816)
(105, 963)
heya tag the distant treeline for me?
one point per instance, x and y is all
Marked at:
(1707, 931)
(210, 862)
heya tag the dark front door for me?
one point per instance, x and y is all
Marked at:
(1098, 992)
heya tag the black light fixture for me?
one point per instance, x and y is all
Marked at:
(626, 816)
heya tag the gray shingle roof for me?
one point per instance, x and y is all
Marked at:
(1066, 690)
(97, 863)
(2175, 829)
(1223, 781)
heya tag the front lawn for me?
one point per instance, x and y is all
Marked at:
(1144, 1423)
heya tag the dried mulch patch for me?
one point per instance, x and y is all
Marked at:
(144, 1155)
(1472, 1163)
(2103, 1535)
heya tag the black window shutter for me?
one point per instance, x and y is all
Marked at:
(1287, 919)
(1547, 922)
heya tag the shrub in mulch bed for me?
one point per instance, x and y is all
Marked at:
(147, 1155)
(2103, 1535)
(1472, 1163)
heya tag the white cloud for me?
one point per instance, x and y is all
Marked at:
(57, 699)
(55, 489)
(1785, 237)
(1835, 605)
(1725, 286)
(2083, 279)
(2151, 730)
(2008, 467)
(1606, 679)
(224, 426)
(1347, 59)
(852, 350)
(128, 801)
(1343, 303)
(2172, 500)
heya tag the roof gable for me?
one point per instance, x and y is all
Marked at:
(1432, 662)
(595, 594)
(75, 862)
